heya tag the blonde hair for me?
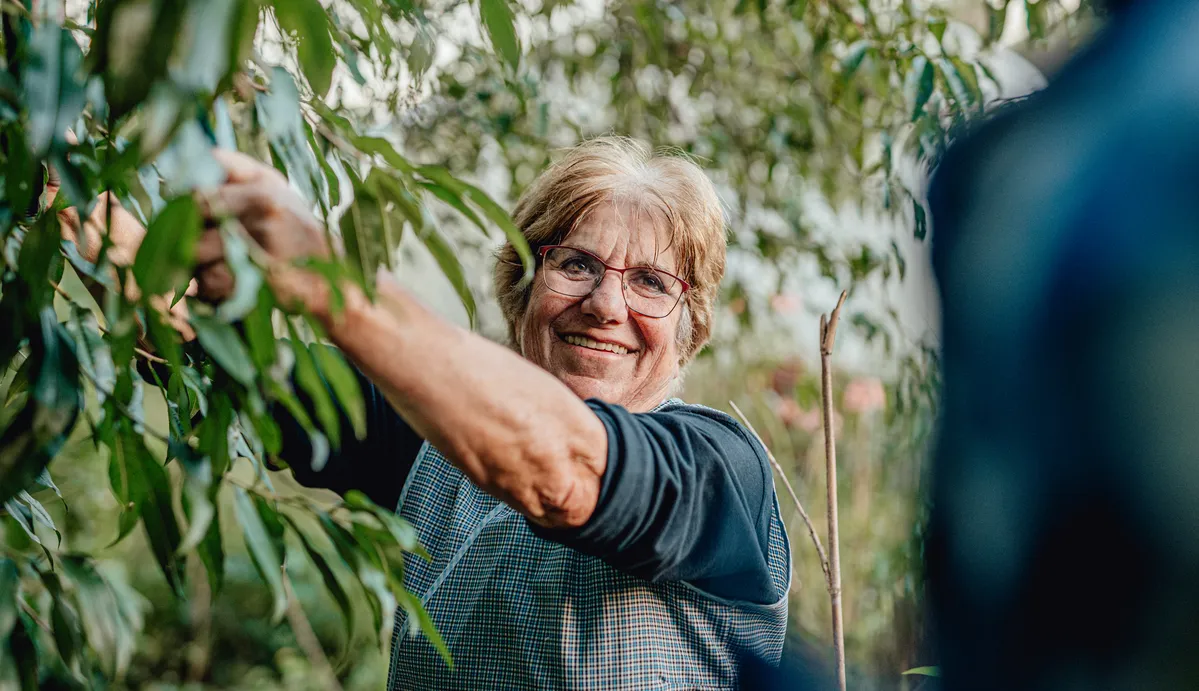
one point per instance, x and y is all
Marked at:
(619, 169)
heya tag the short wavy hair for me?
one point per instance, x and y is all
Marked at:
(623, 170)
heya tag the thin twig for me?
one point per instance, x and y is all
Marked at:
(36, 619)
(139, 351)
(828, 337)
(787, 483)
(306, 637)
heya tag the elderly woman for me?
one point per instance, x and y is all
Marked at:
(586, 529)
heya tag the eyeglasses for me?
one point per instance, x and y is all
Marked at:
(647, 291)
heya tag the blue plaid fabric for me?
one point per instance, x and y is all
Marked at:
(520, 612)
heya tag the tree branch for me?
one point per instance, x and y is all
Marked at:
(828, 337)
(824, 566)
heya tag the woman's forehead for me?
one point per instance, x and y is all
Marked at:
(633, 233)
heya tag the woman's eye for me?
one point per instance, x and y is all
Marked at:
(652, 282)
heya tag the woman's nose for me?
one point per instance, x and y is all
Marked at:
(607, 303)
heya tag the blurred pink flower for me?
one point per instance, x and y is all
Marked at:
(786, 303)
(863, 395)
(793, 416)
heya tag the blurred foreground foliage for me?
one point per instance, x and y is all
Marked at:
(128, 98)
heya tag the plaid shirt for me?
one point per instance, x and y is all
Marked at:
(520, 612)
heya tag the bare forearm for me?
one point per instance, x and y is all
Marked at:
(511, 427)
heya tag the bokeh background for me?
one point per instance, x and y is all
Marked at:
(818, 121)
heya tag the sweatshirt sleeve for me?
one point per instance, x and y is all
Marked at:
(686, 496)
(376, 465)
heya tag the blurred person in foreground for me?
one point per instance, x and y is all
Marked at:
(587, 529)
(1064, 547)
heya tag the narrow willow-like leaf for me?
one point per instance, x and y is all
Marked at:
(853, 58)
(918, 86)
(494, 213)
(279, 112)
(344, 382)
(451, 267)
(53, 87)
(222, 342)
(310, 24)
(197, 487)
(308, 377)
(247, 277)
(165, 258)
(261, 545)
(157, 512)
(330, 579)
(500, 24)
(39, 430)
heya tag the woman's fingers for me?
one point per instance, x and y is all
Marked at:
(241, 168)
(214, 282)
(243, 200)
(210, 247)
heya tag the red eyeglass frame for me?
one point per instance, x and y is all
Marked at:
(541, 251)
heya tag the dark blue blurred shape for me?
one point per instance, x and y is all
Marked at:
(1064, 548)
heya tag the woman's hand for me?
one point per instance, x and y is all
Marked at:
(277, 219)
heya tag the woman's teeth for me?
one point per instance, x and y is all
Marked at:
(595, 345)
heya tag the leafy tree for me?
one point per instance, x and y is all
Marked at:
(128, 100)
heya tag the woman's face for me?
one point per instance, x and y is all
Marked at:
(639, 375)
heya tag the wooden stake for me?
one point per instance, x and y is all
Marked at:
(828, 337)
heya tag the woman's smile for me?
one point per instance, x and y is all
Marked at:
(595, 346)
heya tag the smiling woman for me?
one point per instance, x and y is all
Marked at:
(585, 529)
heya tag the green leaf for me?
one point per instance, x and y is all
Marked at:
(39, 430)
(197, 488)
(210, 32)
(921, 228)
(494, 213)
(341, 378)
(969, 78)
(111, 618)
(918, 86)
(260, 330)
(498, 19)
(308, 377)
(39, 514)
(167, 254)
(221, 341)
(1037, 18)
(263, 550)
(247, 277)
(210, 550)
(68, 630)
(400, 529)
(924, 671)
(153, 487)
(361, 225)
(40, 262)
(10, 593)
(418, 619)
(132, 47)
(938, 25)
(25, 653)
(331, 583)
(279, 113)
(960, 82)
(53, 87)
(309, 22)
(447, 259)
(20, 172)
(853, 59)
(451, 198)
